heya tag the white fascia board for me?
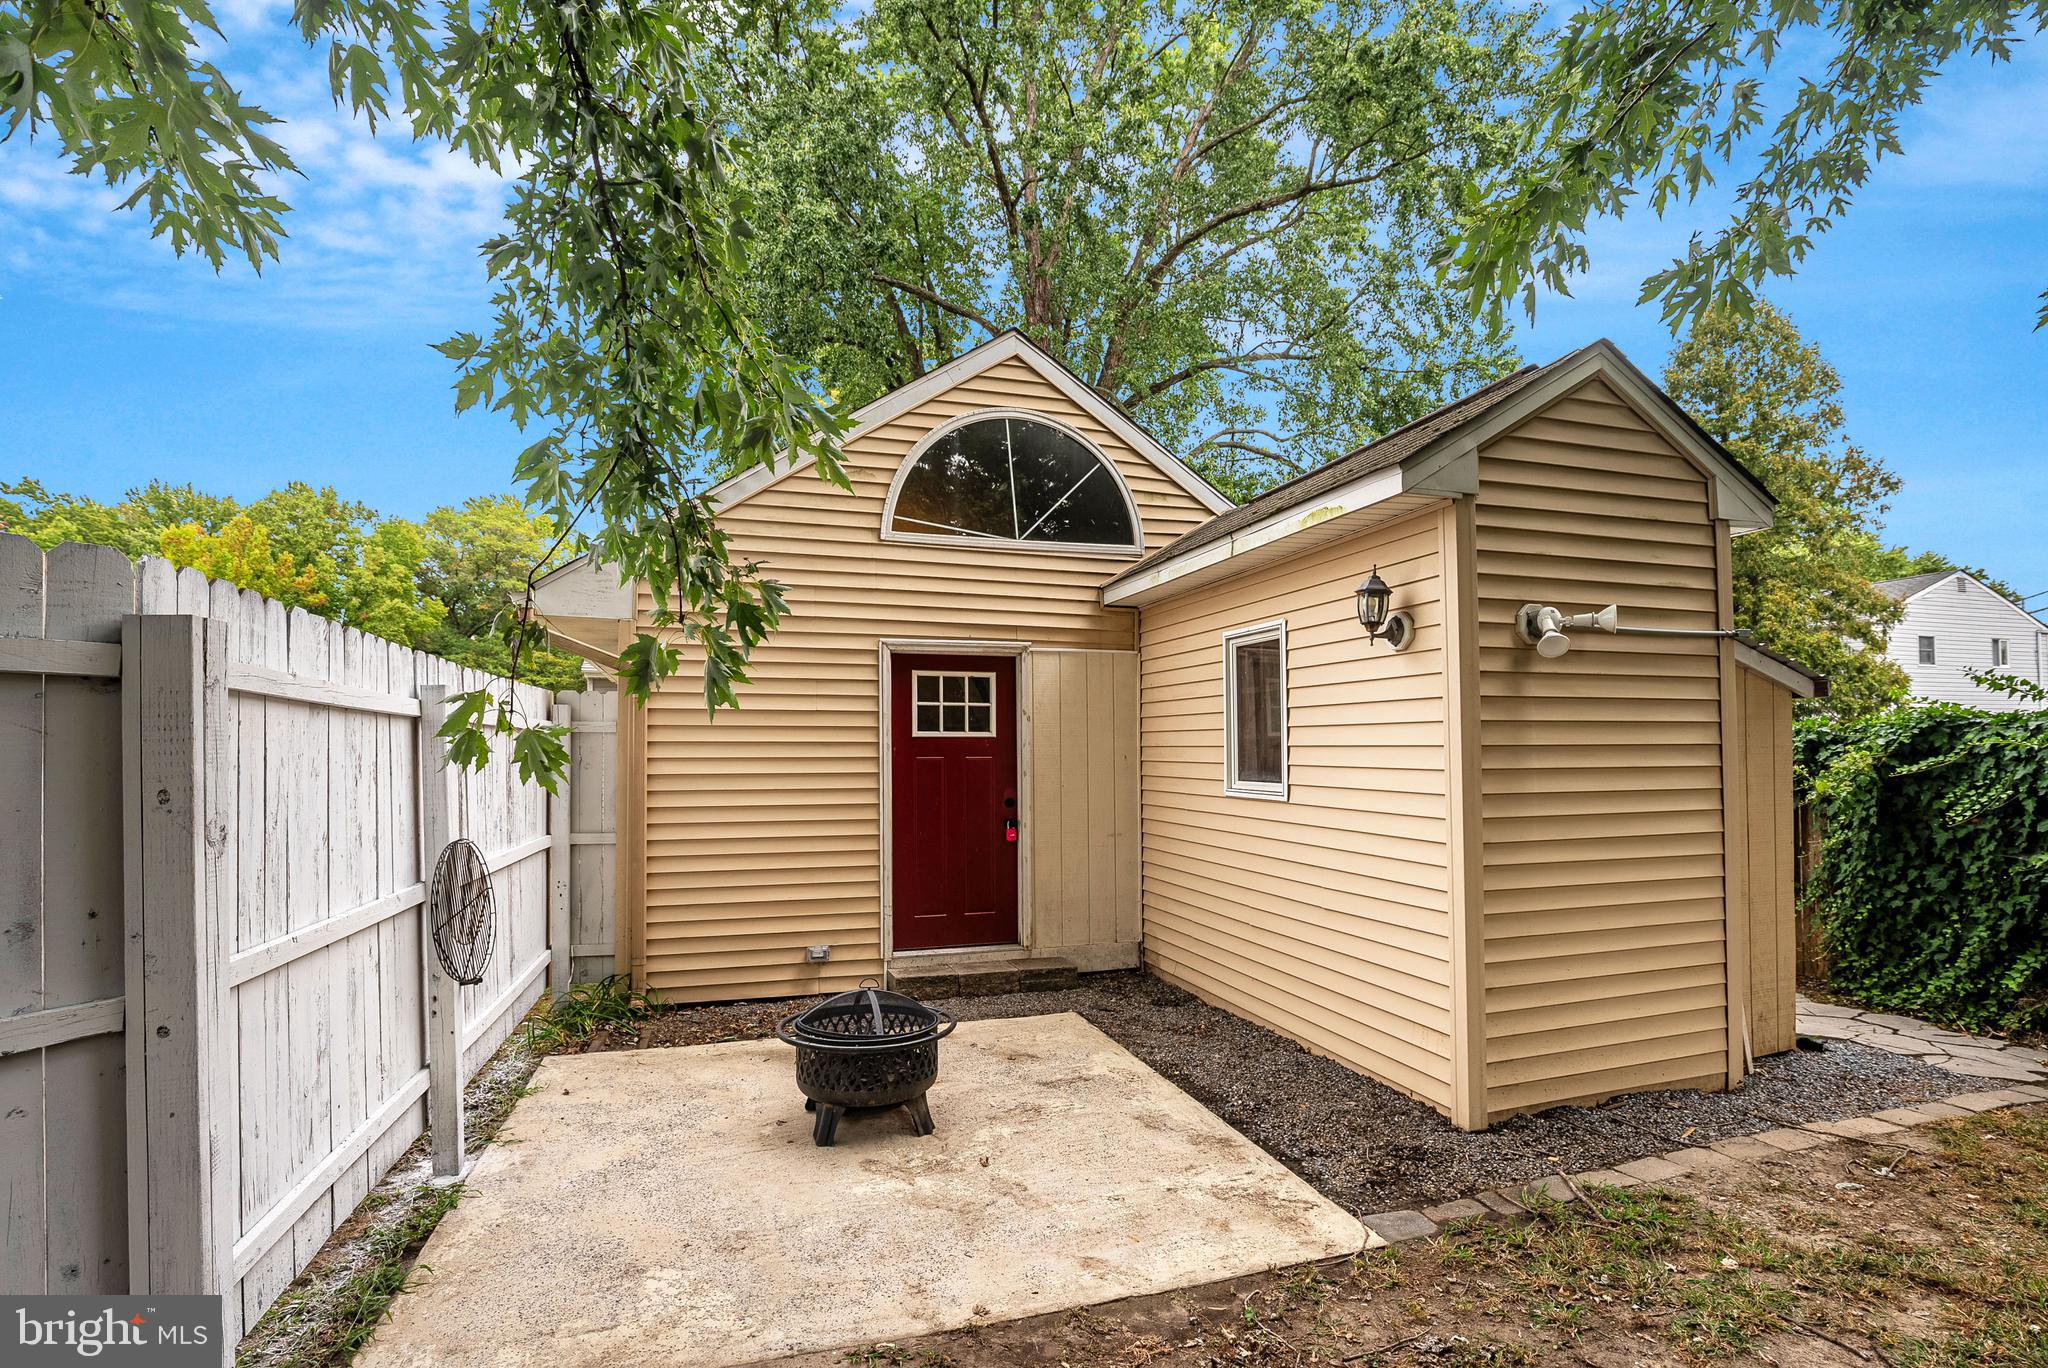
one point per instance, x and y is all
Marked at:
(1734, 498)
(935, 382)
(1450, 467)
(1361, 493)
(1755, 661)
(583, 588)
(1729, 490)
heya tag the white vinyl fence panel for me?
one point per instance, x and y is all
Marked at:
(242, 784)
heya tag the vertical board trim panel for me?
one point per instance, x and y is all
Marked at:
(1467, 832)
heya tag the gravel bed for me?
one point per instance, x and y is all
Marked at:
(1360, 1143)
(1370, 1149)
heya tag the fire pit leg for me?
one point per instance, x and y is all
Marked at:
(827, 1124)
(920, 1116)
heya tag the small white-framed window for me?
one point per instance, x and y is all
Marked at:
(2001, 651)
(1255, 711)
(1927, 650)
(952, 703)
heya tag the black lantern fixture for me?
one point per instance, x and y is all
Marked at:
(1374, 598)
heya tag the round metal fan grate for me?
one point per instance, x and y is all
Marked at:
(463, 912)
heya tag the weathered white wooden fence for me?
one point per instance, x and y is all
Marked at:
(218, 820)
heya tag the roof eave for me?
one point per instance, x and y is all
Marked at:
(1448, 466)
(1004, 346)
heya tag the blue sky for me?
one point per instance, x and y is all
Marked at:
(125, 363)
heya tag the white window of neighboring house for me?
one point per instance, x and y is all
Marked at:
(2001, 651)
(1926, 650)
(1255, 711)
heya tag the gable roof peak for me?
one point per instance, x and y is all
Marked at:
(1010, 343)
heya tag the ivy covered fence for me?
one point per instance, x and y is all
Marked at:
(1930, 881)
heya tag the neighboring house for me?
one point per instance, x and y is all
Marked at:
(1954, 624)
(1044, 693)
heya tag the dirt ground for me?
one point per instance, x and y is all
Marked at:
(332, 1306)
(1360, 1143)
(1927, 1248)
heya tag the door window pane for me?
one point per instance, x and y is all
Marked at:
(1257, 705)
(962, 703)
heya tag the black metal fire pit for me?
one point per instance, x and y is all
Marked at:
(866, 1048)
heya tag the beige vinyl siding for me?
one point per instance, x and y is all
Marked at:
(1082, 879)
(1604, 946)
(1766, 729)
(1325, 916)
(763, 826)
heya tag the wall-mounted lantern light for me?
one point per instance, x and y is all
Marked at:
(1375, 600)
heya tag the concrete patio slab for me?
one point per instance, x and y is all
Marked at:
(668, 1206)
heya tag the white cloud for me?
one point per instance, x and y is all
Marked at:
(381, 228)
(1980, 124)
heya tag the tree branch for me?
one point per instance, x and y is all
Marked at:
(957, 310)
(1193, 369)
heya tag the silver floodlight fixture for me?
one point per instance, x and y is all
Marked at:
(1545, 628)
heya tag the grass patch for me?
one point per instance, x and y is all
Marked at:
(588, 1008)
(352, 1311)
(1714, 1285)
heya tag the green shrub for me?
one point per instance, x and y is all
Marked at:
(586, 1007)
(1932, 875)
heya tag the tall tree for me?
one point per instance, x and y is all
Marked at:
(1211, 213)
(620, 321)
(317, 528)
(449, 585)
(134, 525)
(476, 559)
(242, 554)
(1804, 585)
(1652, 96)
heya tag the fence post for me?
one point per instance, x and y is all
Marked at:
(560, 853)
(444, 998)
(179, 914)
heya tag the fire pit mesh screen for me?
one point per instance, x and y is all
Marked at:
(865, 1017)
(867, 1048)
(868, 1080)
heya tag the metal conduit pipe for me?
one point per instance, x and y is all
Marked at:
(1545, 628)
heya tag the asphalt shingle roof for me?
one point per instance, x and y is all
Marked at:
(1903, 589)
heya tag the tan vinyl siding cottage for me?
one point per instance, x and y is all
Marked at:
(1600, 771)
(764, 827)
(1115, 722)
(1326, 916)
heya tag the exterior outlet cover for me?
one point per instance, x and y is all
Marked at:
(817, 954)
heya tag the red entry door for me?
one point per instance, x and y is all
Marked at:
(953, 801)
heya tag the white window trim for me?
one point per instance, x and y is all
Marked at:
(1276, 630)
(2001, 650)
(994, 723)
(1125, 552)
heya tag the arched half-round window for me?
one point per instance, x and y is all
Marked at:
(1013, 477)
